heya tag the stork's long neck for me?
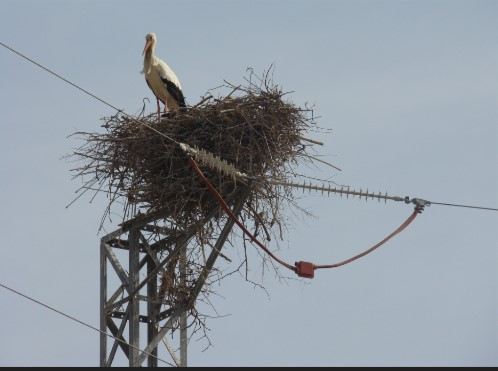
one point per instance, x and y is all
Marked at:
(148, 58)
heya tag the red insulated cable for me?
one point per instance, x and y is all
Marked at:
(405, 224)
(234, 218)
(303, 269)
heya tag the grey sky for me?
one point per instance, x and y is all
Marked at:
(409, 89)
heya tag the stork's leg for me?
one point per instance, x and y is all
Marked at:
(166, 110)
(158, 110)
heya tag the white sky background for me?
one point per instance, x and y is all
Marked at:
(409, 89)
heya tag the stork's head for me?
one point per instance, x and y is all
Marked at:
(150, 42)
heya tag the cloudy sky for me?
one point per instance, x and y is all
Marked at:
(409, 90)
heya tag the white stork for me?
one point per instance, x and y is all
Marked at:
(161, 79)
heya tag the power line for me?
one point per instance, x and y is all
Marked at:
(59, 76)
(80, 322)
(83, 90)
(460, 205)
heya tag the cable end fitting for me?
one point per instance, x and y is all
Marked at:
(420, 204)
(305, 269)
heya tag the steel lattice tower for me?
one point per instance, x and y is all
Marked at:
(120, 306)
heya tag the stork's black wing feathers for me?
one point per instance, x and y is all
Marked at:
(175, 92)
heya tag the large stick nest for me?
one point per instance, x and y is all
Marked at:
(139, 163)
(254, 128)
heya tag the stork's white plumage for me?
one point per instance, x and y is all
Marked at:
(161, 79)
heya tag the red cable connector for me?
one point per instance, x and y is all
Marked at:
(305, 269)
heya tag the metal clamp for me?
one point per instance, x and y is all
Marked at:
(419, 203)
